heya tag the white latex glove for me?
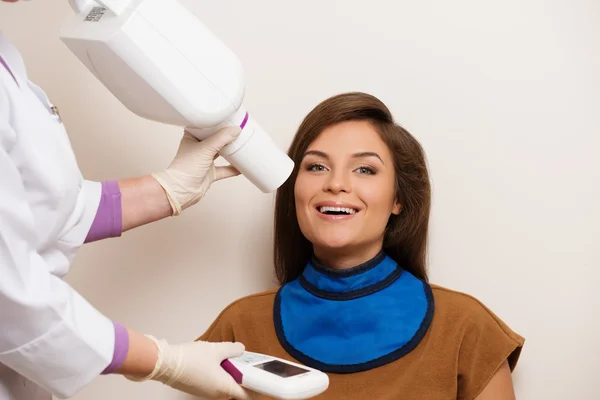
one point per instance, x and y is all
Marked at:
(193, 170)
(195, 368)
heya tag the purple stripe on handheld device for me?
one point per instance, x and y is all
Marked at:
(233, 371)
(244, 121)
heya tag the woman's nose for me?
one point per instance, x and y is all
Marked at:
(338, 182)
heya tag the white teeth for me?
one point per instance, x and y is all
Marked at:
(325, 209)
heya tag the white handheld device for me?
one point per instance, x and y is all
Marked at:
(164, 65)
(275, 377)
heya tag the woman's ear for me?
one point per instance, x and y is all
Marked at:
(397, 208)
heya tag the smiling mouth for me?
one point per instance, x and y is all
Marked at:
(328, 210)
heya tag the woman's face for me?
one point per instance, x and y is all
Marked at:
(344, 192)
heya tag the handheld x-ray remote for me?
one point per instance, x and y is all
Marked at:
(276, 378)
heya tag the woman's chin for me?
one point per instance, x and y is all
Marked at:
(333, 244)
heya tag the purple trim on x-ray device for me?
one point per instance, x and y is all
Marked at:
(244, 121)
(233, 371)
(11, 73)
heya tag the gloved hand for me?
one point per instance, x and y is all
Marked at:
(195, 368)
(191, 173)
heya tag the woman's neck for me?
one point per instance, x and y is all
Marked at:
(344, 259)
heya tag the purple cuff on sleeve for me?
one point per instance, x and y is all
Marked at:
(121, 349)
(108, 221)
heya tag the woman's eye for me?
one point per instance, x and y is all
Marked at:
(366, 170)
(315, 167)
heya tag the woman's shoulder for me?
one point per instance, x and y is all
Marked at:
(247, 312)
(454, 301)
(251, 303)
(466, 308)
(470, 319)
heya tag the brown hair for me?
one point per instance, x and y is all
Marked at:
(405, 238)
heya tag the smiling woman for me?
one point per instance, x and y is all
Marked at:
(350, 168)
(351, 228)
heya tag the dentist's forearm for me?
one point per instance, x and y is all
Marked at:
(143, 201)
(134, 354)
(141, 357)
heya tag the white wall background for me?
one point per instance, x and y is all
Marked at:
(505, 97)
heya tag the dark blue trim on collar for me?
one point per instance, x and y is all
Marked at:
(345, 284)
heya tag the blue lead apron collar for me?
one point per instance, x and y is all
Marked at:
(352, 320)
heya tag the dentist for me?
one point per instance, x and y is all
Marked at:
(53, 341)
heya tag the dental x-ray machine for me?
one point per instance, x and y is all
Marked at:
(163, 64)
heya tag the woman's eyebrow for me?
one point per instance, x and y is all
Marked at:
(362, 154)
(316, 153)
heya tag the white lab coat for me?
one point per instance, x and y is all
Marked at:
(51, 339)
